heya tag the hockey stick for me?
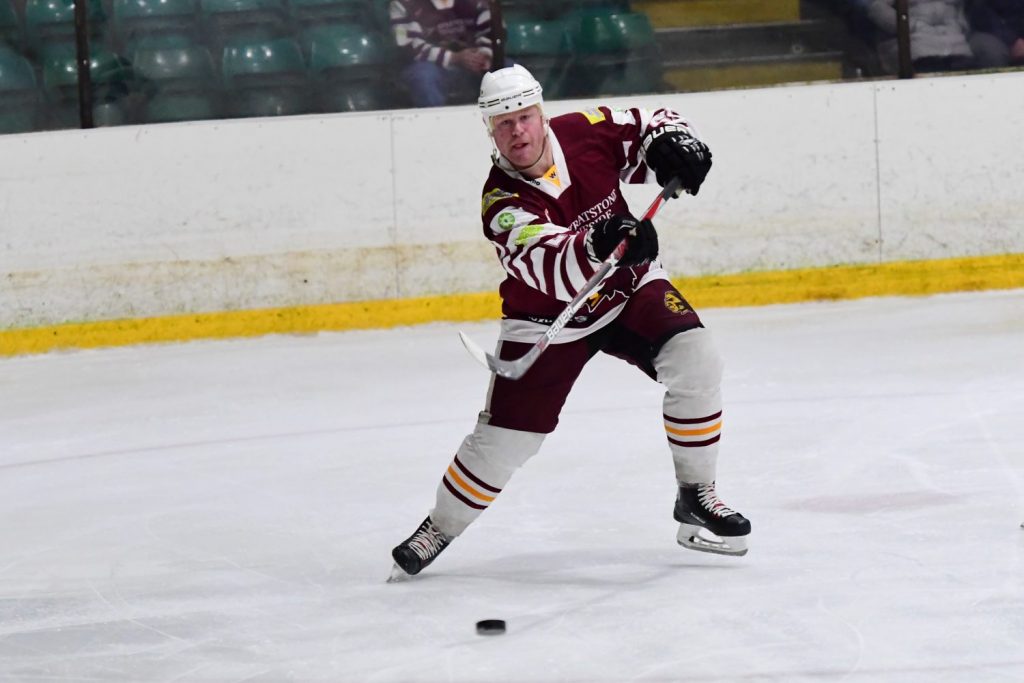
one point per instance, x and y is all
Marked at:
(514, 369)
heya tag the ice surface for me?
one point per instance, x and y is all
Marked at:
(224, 511)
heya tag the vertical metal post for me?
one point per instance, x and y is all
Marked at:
(82, 60)
(903, 39)
(497, 36)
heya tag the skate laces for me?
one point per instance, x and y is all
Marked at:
(428, 541)
(709, 500)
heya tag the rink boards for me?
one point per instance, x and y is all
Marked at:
(232, 228)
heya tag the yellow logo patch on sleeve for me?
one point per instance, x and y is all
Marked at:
(493, 197)
(593, 115)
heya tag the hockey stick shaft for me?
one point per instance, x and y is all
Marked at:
(514, 369)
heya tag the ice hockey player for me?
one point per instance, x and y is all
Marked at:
(553, 208)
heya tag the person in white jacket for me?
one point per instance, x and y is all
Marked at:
(939, 34)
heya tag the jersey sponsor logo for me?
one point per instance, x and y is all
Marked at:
(493, 197)
(593, 115)
(600, 210)
(674, 303)
(506, 220)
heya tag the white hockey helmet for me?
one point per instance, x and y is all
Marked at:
(506, 90)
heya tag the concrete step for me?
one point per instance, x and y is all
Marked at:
(675, 13)
(720, 75)
(777, 39)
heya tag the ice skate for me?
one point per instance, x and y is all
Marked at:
(706, 524)
(416, 552)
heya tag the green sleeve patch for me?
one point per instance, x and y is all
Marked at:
(528, 233)
(506, 220)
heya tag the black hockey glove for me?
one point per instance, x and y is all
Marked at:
(672, 152)
(643, 240)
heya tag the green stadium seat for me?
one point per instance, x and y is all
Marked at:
(342, 46)
(265, 78)
(19, 93)
(112, 77)
(181, 106)
(543, 47)
(170, 65)
(53, 21)
(515, 11)
(641, 70)
(350, 66)
(537, 38)
(10, 24)
(161, 41)
(179, 81)
(280, 57)
(635, 29)
(138, 20)
(16, 71)
(617, 52)
(596, 33)
(602, 32)
(243, 21)
(349, 96)
(311, 12)
(616, 6)
(381, 18)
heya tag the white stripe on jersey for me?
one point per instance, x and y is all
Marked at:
(523, 266)
(576, 279)
(537, 259)
(561, 292)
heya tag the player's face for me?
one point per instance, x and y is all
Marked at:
(519, 135)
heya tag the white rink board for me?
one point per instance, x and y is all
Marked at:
(208, 216)
(951, 185)
(793, 182)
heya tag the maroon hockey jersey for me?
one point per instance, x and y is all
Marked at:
(431, 30)
(538, 226)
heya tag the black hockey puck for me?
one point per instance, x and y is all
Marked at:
(490, 627)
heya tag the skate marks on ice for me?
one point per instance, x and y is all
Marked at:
(237, 518)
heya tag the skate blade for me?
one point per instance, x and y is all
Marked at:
(699, 538)
(398, 575)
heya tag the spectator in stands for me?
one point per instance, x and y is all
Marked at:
(998, 39)
(448, 44)
(860, 39)
(938, 34)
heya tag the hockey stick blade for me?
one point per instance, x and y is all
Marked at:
(509, 369)
(514, 369)
(474, 349)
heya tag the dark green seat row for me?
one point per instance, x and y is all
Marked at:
(53, 20)
(588, 52)
(332, 68)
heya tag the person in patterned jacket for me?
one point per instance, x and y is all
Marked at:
(448, 44)
(554, 211)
